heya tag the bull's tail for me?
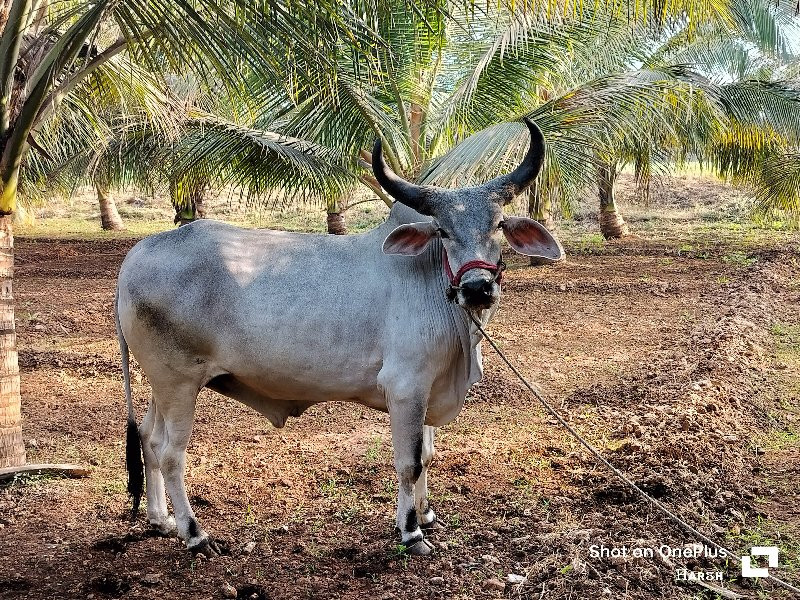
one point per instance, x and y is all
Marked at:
(133, 443)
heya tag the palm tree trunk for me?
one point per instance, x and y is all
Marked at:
(612, 225)
(5, 8)
(641, 175)
(540, 208)
(109, 216)
(12, 448)
(336, 224)
(200, 204)
(193, 207)
(415, 123)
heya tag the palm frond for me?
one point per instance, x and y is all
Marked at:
(260, 162)
(778, 186)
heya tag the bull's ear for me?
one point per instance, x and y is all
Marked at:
(530, 238)
(409, 240)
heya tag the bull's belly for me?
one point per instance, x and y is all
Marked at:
(278, 396)
(281, 398)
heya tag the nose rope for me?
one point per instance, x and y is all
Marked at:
(455, 281)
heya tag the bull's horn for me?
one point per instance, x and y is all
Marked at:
(521, 177)
(411, 195)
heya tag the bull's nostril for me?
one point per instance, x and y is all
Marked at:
(476, 285)
(478, 292)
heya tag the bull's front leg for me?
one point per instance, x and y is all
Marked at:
(425, 514)
(407, 415)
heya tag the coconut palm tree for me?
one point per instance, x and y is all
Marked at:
(435, 81)
(48, 49)
(162, 141)
(627, 93)
(81, 142)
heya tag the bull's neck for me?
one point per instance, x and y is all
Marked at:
(431, 261)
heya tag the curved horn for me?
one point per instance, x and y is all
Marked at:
(401, 190)
(521, 177)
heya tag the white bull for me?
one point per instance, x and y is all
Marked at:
(282, 321)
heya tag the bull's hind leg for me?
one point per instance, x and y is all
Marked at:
(176, 403)
(425, 514)
(152, 434)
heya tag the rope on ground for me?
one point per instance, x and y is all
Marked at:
(596, 454)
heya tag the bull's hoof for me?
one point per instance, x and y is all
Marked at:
(431, 527)
(165, 527)
(421, 548)
(207, 547)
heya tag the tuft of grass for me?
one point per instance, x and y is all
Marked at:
(389, 485)
(780, 439)
(766, 532)
(348, 514)
(374, 450)
(590, 243)
(785, 330)
(113, 487)
(31, 480)
(739, 259)
(330, 488)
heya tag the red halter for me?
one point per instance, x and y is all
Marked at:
(455, 281)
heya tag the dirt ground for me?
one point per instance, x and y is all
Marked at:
(676, 352)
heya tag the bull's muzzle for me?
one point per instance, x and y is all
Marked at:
(478, 294)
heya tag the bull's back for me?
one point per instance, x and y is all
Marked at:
(293, 316)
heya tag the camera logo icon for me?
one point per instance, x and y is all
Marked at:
(771, 552)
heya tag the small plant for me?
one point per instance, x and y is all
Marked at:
(31, 479)
(390, 485)
(780, 440)
(740, 259)
(765, 532)
(347, 515)
(330, 488)
(250, 517)
(400, 552)
(374, 450)
(591, 243)
(778, 329)
(521, 483)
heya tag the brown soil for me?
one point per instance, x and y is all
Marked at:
(661, 357)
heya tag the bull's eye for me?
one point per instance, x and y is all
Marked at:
(442, 233)
(500, 224)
